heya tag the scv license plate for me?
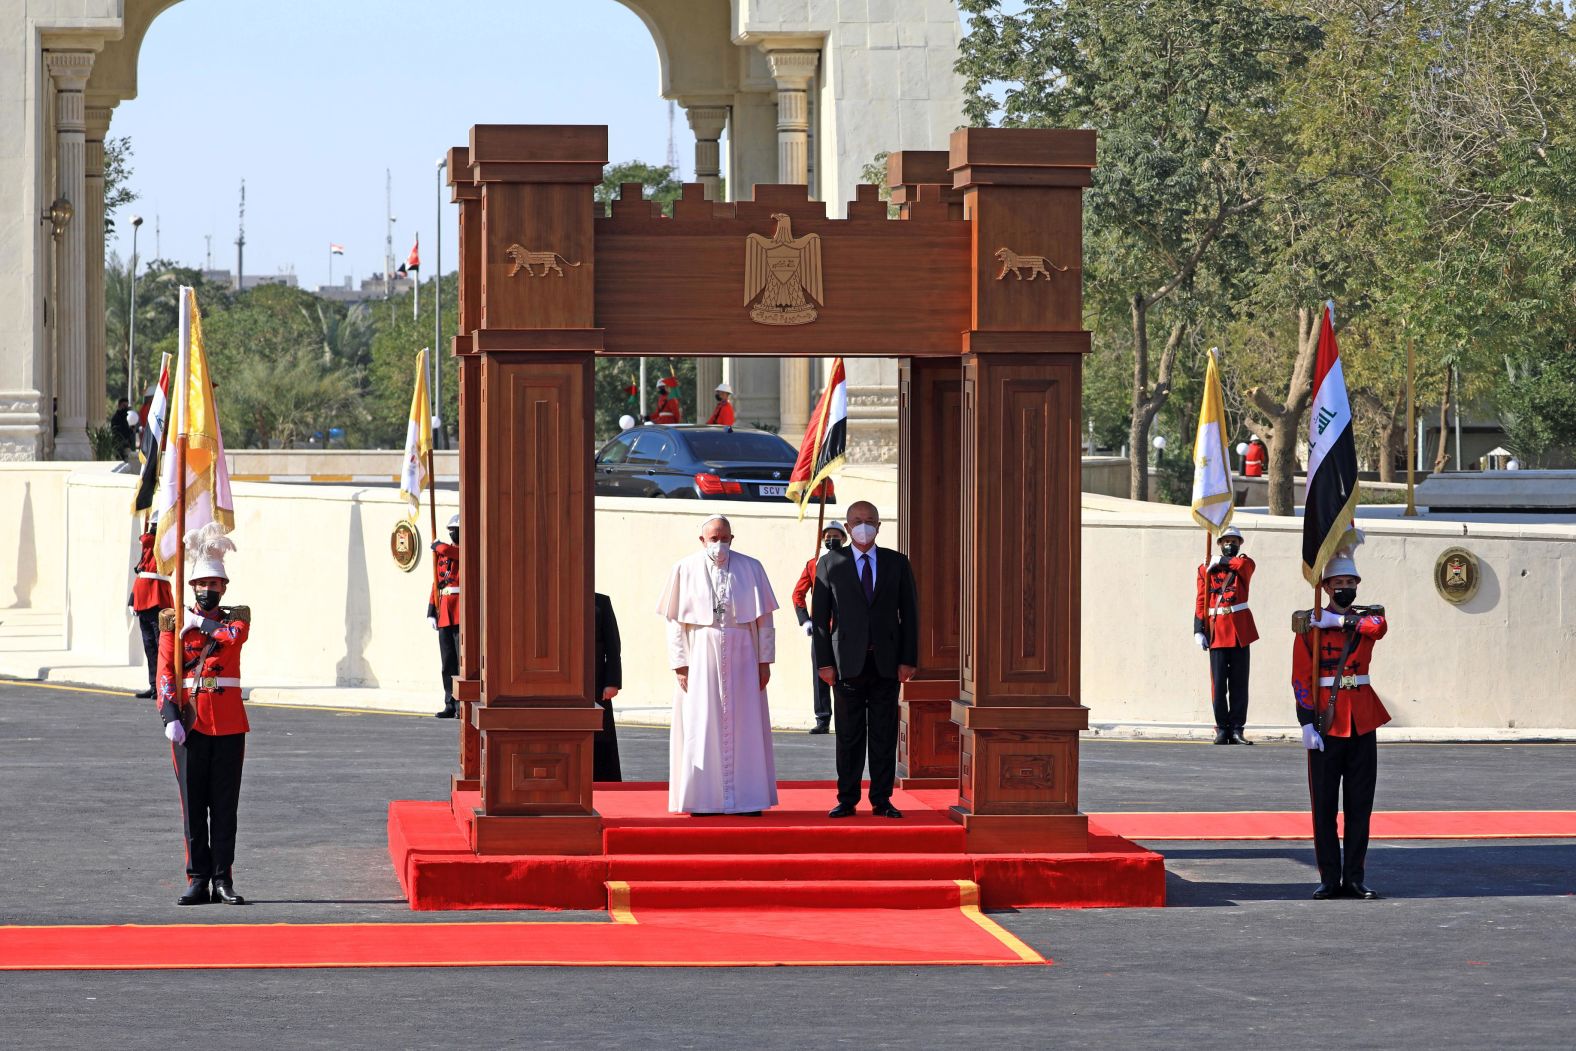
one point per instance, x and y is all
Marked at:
(774, 490)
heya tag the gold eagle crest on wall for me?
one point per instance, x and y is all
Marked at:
(782, 275)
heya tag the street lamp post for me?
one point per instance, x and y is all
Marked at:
(131, 319)
(437, 319)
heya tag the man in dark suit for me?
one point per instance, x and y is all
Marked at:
(608, 668)
(868, 593)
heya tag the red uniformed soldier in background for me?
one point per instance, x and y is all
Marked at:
(1340, 714)
(443, 611)
(150, 594)
(833, 536)
(1254, 460)
(1223, 626)
(207, 733)
(722, 415)
(668, 409)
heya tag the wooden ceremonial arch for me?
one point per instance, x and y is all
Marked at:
(989, 490)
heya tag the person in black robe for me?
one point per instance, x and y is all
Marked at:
(608, 667)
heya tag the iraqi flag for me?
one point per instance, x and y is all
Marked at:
(154, 418)
(413, 261)
(825, 444)
(1332, 459)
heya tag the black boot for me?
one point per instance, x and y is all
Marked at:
(1222, 735)
(1236, 736)
(224, 890)
(449, 712)
(196, 893)
(822, 726)
(144, 695)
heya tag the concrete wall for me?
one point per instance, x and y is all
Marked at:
(332, 609)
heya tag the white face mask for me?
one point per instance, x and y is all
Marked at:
(717, 550)
(864, 534)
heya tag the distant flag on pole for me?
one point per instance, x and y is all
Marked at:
(194, 417)
(154, 418)
(1212, 493)
(418, 441)
(825, 444)
(1332, 459)
(336, 249)
(413, 261)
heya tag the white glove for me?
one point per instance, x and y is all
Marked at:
(1202, 640)
(175, 731)
(1329, 619)
(198, 621)
(1311, 738)
(434, 622)
(809, 627)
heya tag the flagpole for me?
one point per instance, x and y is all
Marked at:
(1411, 427)
(182, 409)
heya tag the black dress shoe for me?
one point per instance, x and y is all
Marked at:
(1324, 892)
(746, 813)
(841, 810)
(225, 891)
(447, 713)
(1237, 738)
(196, 893)
(821, 727)
(1360, 890)
(887, 810)
(1222, 736)
(144, 695)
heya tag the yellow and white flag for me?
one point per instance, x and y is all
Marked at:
(1212, 494)
(195, 443)
(413, 477)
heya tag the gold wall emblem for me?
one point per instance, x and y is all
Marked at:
(1015, 264)
(780, 272)
(405, 545)
(522, 258)
(1457, 575)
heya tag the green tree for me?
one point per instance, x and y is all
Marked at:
(659, 182)
(117, 179)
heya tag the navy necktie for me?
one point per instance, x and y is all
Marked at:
(866, 579)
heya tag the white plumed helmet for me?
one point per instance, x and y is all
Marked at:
(205, 550)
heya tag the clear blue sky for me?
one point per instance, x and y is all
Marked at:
(312, 101)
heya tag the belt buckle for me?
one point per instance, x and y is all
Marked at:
(1348, 682)
(208, 682)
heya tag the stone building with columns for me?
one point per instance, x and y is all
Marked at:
(802, 91)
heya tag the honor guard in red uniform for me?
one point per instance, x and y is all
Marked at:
(207, 732)
(1254, 459)
(668, 409)
(150, 595)
(722, 415)
(1223, 627)
(443, 611)
(833, 537)
(1340, 714)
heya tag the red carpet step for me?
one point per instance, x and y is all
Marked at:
(795, 894)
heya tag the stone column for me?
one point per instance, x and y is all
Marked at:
(93, 229)
(708, 124)
(793, 70)
(69, 70)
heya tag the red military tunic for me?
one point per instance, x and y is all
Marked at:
(150, 590)
(722, 415)
(801, 590)
(444, 602)
(1358, 709)
(1253, 460)
(1220, 606)
(212, 691)
(668, 410)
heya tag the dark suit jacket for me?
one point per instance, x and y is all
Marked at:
(846, 626)
(607, 664)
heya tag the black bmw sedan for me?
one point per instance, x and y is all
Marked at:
(696, 462)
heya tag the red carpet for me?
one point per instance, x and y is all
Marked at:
(857, 862)
(652, 926)
(1296, 824)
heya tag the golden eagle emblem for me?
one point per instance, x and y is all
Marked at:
(779, 272)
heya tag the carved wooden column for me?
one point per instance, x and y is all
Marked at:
(536, 341)
(1019, 713)
(930, 502)
(468, 687)
(69, 71)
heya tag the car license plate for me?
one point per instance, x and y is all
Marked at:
(774, 490)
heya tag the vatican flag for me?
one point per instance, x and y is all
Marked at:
(1212, 495)
(414, 477)
(194, 482)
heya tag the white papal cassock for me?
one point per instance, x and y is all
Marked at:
(720, 627)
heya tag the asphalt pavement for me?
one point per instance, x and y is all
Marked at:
(1472, 944)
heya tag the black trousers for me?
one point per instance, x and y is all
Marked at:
(449, 653)
(866, 714)
(604, 746)
(148, 620)
(1228, 680)
(208, 772)
(823, 693)
(1348, 769)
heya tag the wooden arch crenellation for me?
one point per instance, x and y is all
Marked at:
(976, 287)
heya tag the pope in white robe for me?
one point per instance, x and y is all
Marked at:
(721, 645)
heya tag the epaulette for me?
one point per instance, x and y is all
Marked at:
(240, 613)
(167, 619)
(1302, 619)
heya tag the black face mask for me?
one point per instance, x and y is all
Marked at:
(1344, 597)
(454, 537)
(207, 601)
(719, 397)
(831, 543)
(1229, 550)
